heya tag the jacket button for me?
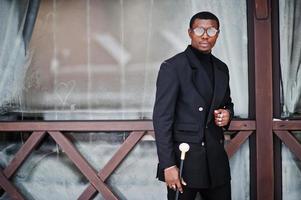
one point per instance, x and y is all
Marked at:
(201, 109)
(203, 144)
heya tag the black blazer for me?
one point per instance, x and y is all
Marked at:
(180, 116)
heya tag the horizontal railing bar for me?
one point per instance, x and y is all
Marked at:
(242, 125)
(77, 126)
(287, 125)
(100, 126)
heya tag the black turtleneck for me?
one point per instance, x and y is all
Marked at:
(206, 61)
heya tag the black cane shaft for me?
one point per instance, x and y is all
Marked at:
(181, 169)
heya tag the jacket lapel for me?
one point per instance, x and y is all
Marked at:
(206, 86)
(220, 86)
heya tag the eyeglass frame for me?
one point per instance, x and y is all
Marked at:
(206, 31)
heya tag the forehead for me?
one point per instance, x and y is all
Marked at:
(206, 23)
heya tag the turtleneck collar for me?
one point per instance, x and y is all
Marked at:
(205, 57)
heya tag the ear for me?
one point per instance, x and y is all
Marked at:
(190, 33)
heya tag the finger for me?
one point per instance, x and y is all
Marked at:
(218, 123)
(183, 182)
(179, 186)
(218, 116)
(174, 187)
(216, 112)
(169, 183)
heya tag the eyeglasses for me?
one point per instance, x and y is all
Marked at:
(211, 32)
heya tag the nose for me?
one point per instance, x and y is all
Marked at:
(205, 35)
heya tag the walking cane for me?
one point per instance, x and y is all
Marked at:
(184, 147)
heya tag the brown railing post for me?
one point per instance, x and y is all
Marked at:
(264, 100)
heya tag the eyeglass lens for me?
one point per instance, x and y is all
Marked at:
(210, 31)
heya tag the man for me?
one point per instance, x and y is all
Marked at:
(193, 105)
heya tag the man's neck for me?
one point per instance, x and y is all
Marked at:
(199, 51)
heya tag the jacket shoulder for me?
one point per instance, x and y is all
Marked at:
(176, 60)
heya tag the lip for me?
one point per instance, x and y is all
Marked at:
(204, 43)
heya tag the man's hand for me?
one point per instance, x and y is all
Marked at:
(172, 178)
(222, 117)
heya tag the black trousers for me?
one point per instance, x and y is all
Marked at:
(222, 192)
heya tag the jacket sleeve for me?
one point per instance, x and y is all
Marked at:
(228, 104)
(163, 114)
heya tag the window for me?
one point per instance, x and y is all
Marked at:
(99, 59)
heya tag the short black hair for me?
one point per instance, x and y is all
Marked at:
(203, 15)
